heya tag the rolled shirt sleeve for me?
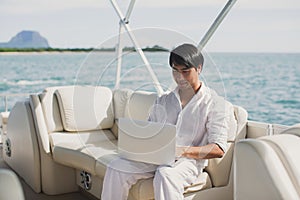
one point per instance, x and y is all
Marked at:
(218, 122)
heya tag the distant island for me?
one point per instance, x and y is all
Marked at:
(25, 40)
(32, 41)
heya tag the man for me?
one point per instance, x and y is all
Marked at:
(201, 118)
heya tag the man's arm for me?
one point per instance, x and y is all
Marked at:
(202, 152)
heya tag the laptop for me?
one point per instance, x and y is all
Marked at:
(148, 142)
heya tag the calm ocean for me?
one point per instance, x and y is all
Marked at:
(266, 85)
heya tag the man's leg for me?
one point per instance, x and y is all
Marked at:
(169, 182)
(120, 175)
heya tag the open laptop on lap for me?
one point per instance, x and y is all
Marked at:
(148, 142)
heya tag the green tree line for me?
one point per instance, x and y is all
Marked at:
(151, 49)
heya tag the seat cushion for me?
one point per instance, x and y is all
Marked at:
(143, 189)
(219, 168)
(50, 109)
(85, 108)
(139, 104)
(121, 98)
(81, 150)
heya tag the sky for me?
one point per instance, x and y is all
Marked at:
(251, 26)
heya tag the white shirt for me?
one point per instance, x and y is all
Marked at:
(202, 121)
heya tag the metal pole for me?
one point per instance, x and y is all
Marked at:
(119, 46)
(148, 66)
(137, 47)
(129, 11)
(119, 51)
(216, 23)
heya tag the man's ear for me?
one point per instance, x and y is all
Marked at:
(199, 69)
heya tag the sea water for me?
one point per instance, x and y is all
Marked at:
(267, 85)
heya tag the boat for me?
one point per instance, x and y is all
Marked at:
(68, 147)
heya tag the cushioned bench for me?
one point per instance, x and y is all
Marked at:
(76, 132)
(268, 167)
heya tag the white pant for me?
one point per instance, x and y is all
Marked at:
(169, 182)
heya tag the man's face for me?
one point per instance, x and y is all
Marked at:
(186, 78)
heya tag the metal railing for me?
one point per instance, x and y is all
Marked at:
(6, 97)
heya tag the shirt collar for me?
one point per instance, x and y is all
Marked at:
(203, 93)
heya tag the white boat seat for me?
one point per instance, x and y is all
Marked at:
(10, 186)
(268, 167)
(81, 150)
(71, 137)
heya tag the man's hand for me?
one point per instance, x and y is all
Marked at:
(201, 152)
(180, 150)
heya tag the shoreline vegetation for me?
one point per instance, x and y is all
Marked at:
(155, 48)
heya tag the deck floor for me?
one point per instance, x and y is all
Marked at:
(31, 195)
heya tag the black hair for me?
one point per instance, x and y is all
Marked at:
(187, 55)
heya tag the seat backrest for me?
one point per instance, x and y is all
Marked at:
(46, 116)
(219, 169)
(139, 104)
(71, 109)
(50, 109)
(10, 186)
(120, 99)
(85, 108)
(268, 167)
(132, 104)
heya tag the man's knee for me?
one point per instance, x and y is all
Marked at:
(163, 174)
(165, 171)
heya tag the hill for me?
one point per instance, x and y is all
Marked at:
(26, 39)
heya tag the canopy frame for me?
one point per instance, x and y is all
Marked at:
(124, 23)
